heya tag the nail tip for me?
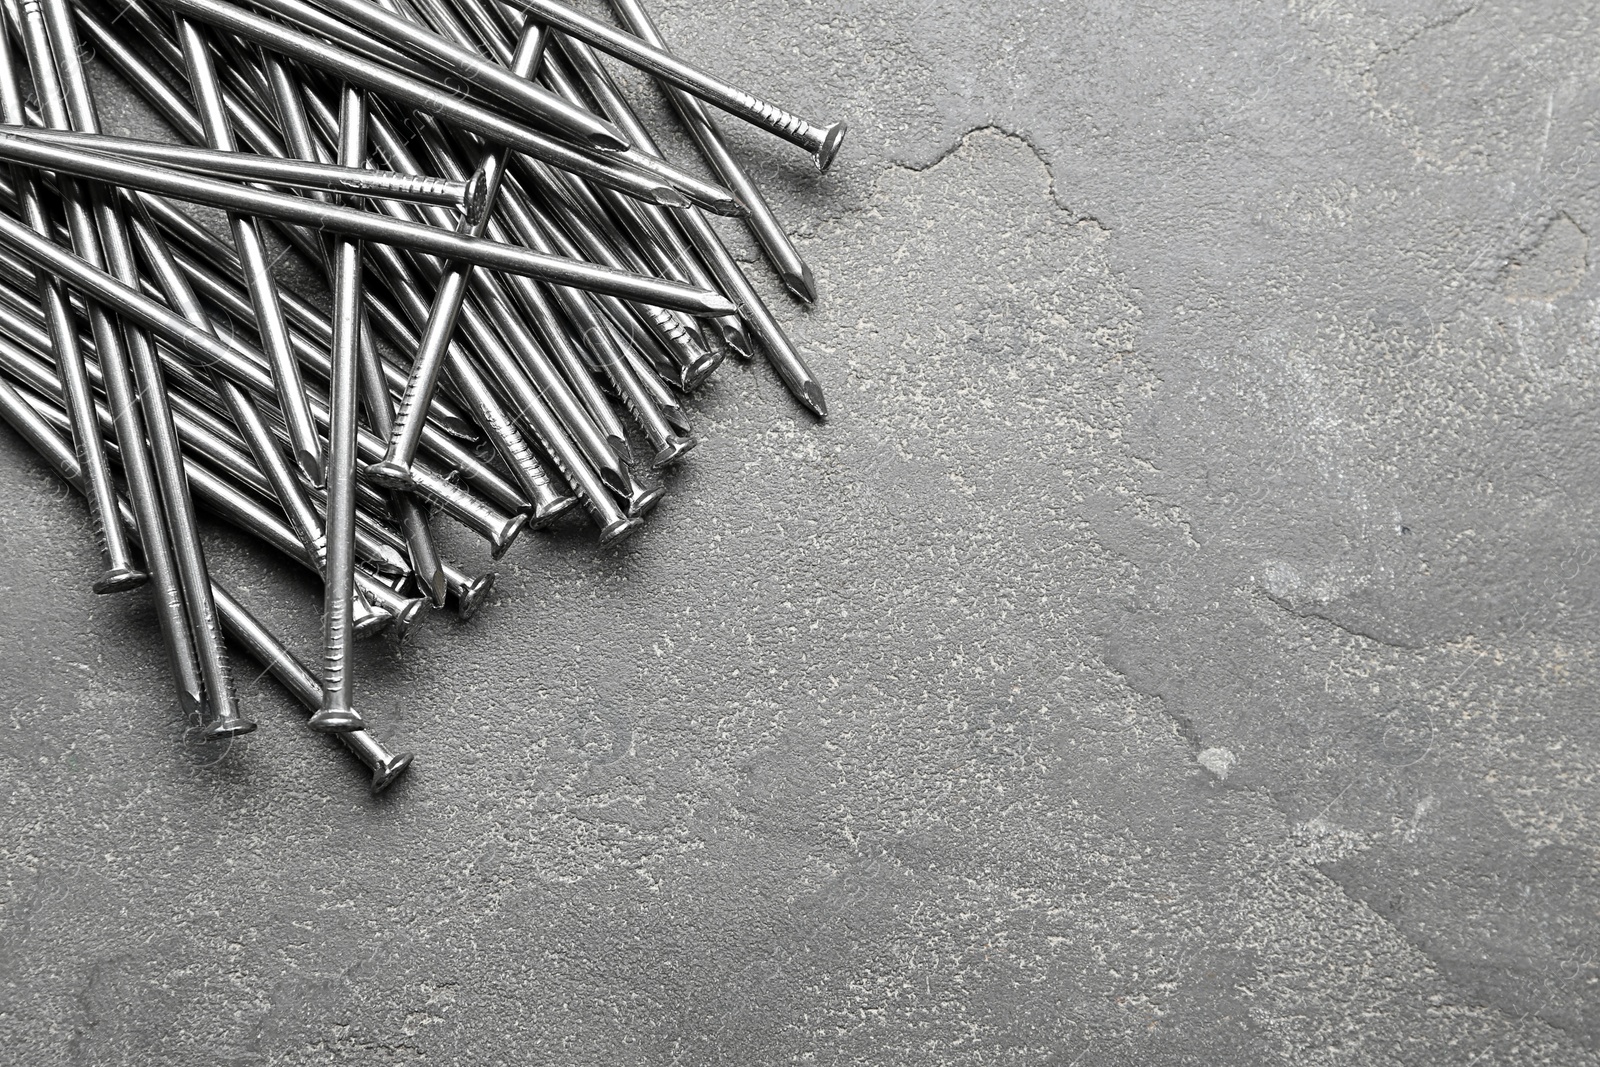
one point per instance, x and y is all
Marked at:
(609, 141)
(622, 449)
(811, 396)
(436, 588)
(802, 285)
(615, 479)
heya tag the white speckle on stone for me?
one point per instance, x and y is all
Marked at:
(1219, 761)
(1319, 841)
(1281, 580)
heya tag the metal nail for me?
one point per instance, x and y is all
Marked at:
(338, 683)
(504, 86)
(762, 222)
(118, 569)
(358, 224)
(466, 196)
(164, 452)
(448, 297)
(821, 141)
(637, 177)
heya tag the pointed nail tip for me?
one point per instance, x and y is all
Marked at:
(436, 588)
(119, 580)
(811, 396)
(389, 772)
(738, 342)
(608, 140)
(472, 599)
(614, 479)
(620, 446)
(803, 285)
(329, 721)
(831, 140)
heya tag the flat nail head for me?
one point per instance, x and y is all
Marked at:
(390, 474)
(388, 771)
(119, 580)
(476, 201)
(408, 615)
(507, 535)
(542, 515)
(831, 140)
(474, 596)
(372, 623)
(231, 727)
(619, 530)
(673, 450)
(645, 502)
(329, 721)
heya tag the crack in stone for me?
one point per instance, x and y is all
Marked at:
(1428, 26)
(1043, 157)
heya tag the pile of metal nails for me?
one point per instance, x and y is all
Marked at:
(516, 272)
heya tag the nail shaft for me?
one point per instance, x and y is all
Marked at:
(358, 224)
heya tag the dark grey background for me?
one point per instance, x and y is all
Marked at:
(1177, 648)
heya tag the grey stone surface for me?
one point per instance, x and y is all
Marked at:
(1177, 648)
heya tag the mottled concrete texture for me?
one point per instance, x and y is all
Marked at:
(1177, 649)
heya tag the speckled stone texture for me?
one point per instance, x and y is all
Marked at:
(1178, 648)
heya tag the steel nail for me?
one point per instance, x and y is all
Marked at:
(164, 452)
(821, 141)
(263, 288)
(442, 315)
(761, 220)
(119, 571)
(466, 196)
(361, 224)
(637, 177)
(364, 22)
(338, 683)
